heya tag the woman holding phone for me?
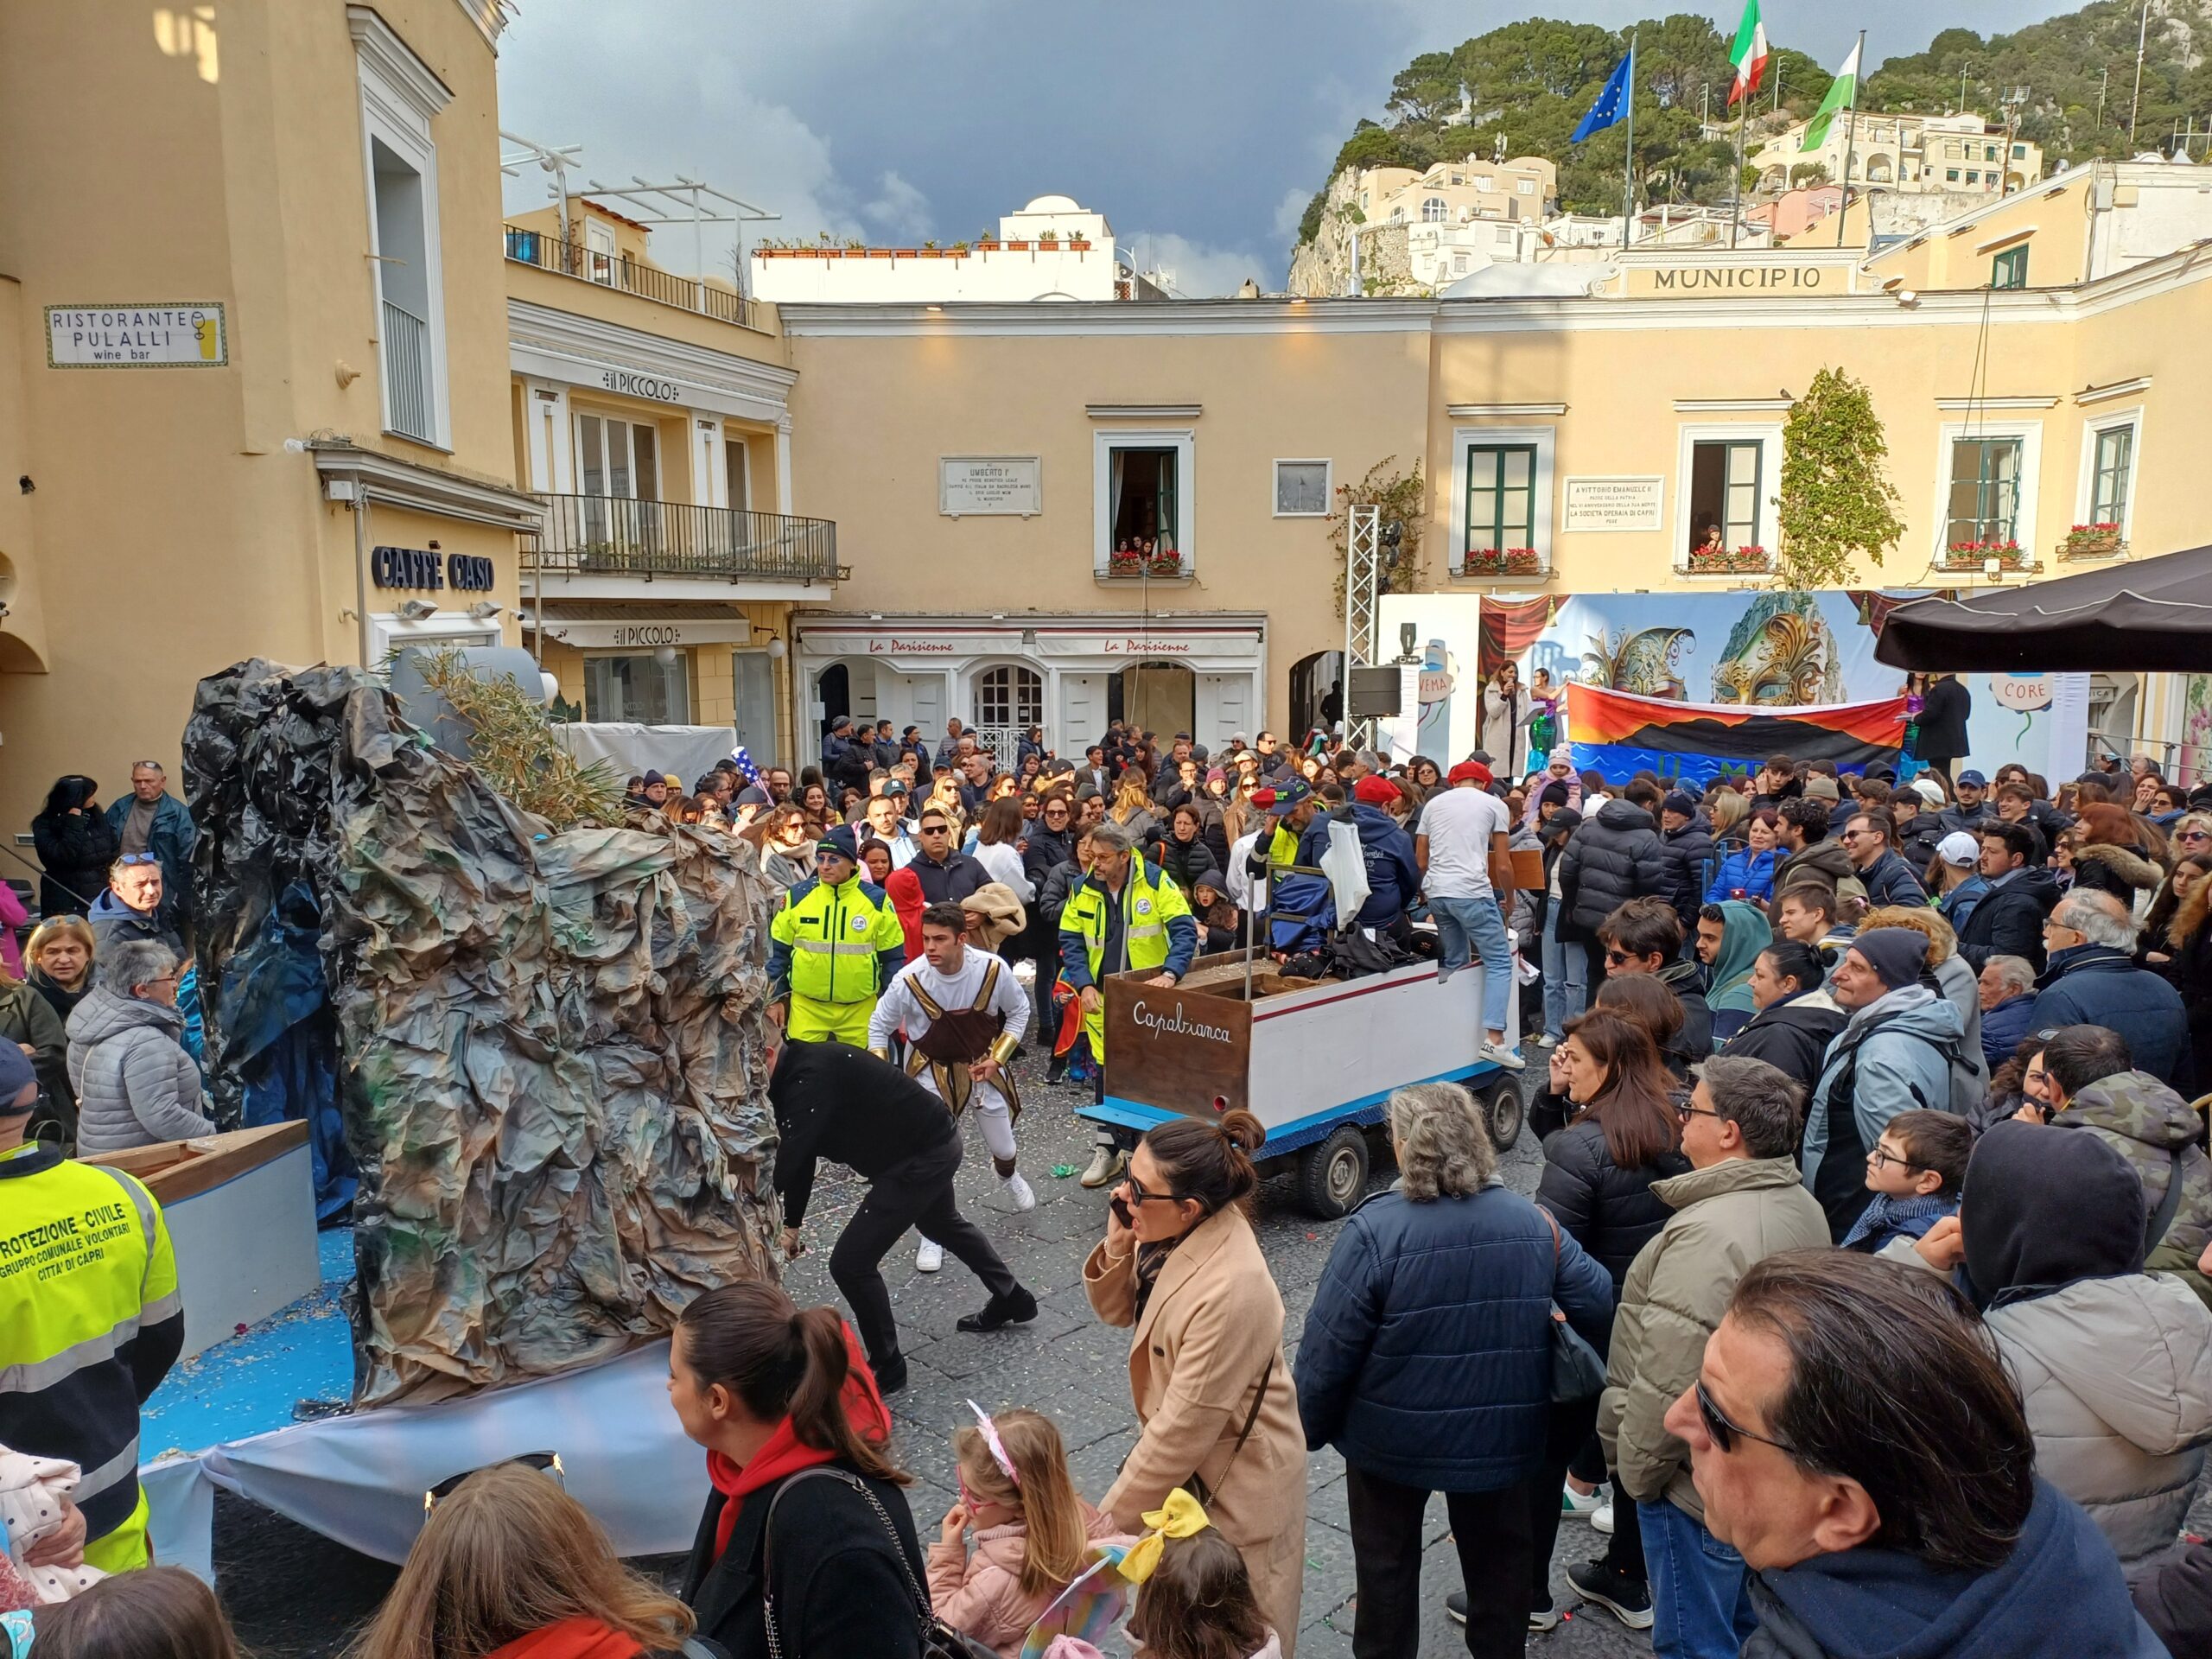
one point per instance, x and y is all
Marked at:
(1182, 1267)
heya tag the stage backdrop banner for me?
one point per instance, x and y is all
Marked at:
(1619, 733)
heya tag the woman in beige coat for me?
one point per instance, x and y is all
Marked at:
(1212, 1390)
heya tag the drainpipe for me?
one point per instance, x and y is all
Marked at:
(361, 569)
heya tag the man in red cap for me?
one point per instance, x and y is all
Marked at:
(1461, 849)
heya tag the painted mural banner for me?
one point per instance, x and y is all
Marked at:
(1619, 734)
(1747, 647)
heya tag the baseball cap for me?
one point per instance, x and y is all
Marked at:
(753, 796)
(1974, 778)
(893, 786)
(1929, 790)
(1959, 849)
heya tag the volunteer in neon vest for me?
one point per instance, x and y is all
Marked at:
(833, 947)
(1126, 916)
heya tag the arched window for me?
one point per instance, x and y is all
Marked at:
(1431, 210)
(1010, 697)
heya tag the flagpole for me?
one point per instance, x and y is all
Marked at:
(1628, 167)
(1743, 120)
(1850, 134)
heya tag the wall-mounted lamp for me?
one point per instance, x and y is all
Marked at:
(417, 610)
(484, 610)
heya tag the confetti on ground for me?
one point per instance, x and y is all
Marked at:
(1063, 1171)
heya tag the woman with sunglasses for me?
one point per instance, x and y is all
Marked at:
(1598, 1174)
(1181, 1267)
(135, 1084)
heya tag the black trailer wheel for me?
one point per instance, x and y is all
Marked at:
(1333, 1175)
(1505, 1111)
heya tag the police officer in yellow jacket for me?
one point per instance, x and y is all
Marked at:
(832, 947)
(1125, 916)
(90, 1319)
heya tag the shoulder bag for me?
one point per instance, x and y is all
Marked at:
(940, 1640)
(1577, 1372)
(1198, 1488)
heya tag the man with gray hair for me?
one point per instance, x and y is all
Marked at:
(135, 1085)
(1426, 1361)
(2008, 996)
(2093, 981)
(1741, 1201)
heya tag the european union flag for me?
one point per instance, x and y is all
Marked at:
(1612, 103)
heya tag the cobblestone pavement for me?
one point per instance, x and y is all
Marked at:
(294, 1595)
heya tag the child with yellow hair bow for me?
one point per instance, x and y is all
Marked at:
(1194, 1597)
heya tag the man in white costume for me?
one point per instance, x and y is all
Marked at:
(962, 1014)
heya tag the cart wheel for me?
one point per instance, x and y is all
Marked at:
(1332, 1176)
(1507, 1112)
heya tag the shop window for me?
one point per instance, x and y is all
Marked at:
(2115, 467)
(642, 690)
(1725, 479)
(1301, 488)
(1142, 508)
(1501, 497)
(2010, 268)
(1985, 500)
(1010, 697)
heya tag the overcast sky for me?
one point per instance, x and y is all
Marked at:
(1199, 128)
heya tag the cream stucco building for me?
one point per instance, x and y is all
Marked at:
(259, 403)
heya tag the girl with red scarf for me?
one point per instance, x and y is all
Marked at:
(775, 1395)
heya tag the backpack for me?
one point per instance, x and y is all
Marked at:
(1967, 1088)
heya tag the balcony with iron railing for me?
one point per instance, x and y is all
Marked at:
(407, 374)
(594, 534)
(546, 251)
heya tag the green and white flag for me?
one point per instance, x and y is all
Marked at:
(1843, 94)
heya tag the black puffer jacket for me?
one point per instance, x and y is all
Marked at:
(1052, 893)
(1611, 1212)
(1190, 862)
(2007, 920)
(1614, 857)
(1691, 861)
(2123, 872)
(1919, 836)
(1792, 1035)
(1045, 849)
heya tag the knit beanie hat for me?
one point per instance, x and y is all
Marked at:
(1819, 787)
(1896, 954)
(1553, 794)
(1678, 801)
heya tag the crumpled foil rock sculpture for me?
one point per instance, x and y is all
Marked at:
(551, 1062)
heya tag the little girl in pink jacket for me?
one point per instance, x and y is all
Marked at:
(1033, 1535)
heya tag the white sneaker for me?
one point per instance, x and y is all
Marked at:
(1580, 1506)
(1107, 1164)
(1498, 1054)
(1603, 1520)
(930, 1257)
(1023, 1197)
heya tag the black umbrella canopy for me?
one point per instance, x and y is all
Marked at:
(2146, 615)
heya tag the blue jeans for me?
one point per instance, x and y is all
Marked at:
(1566, 976)
(1461, 923)
(1701, 1602)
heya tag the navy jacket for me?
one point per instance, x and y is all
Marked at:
(2096, 985)
(1393, 877)
(1426, 1356)
(2059, 1592)
(1890, 881)
(2004, 1026)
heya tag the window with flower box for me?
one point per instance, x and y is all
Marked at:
(1502, 509)
(1985, 505)
(2114, 469)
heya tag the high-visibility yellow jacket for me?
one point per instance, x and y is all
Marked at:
(1157, 931)
(89, 1323)
(835, 944)
(1282, 848)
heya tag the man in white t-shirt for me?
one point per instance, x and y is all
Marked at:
(1461, 849)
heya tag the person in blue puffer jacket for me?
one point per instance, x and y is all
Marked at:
(1393, 876)
(1426, 1361)
(1748, 872)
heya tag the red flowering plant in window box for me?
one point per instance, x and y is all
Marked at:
(1972, 556)
(2097, 541)
(1503, 562)
(1165, 562)
(1749, 559)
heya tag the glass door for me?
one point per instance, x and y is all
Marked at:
(754, 700)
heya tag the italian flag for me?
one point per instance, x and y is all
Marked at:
(1748, 54)
(1843, 94)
